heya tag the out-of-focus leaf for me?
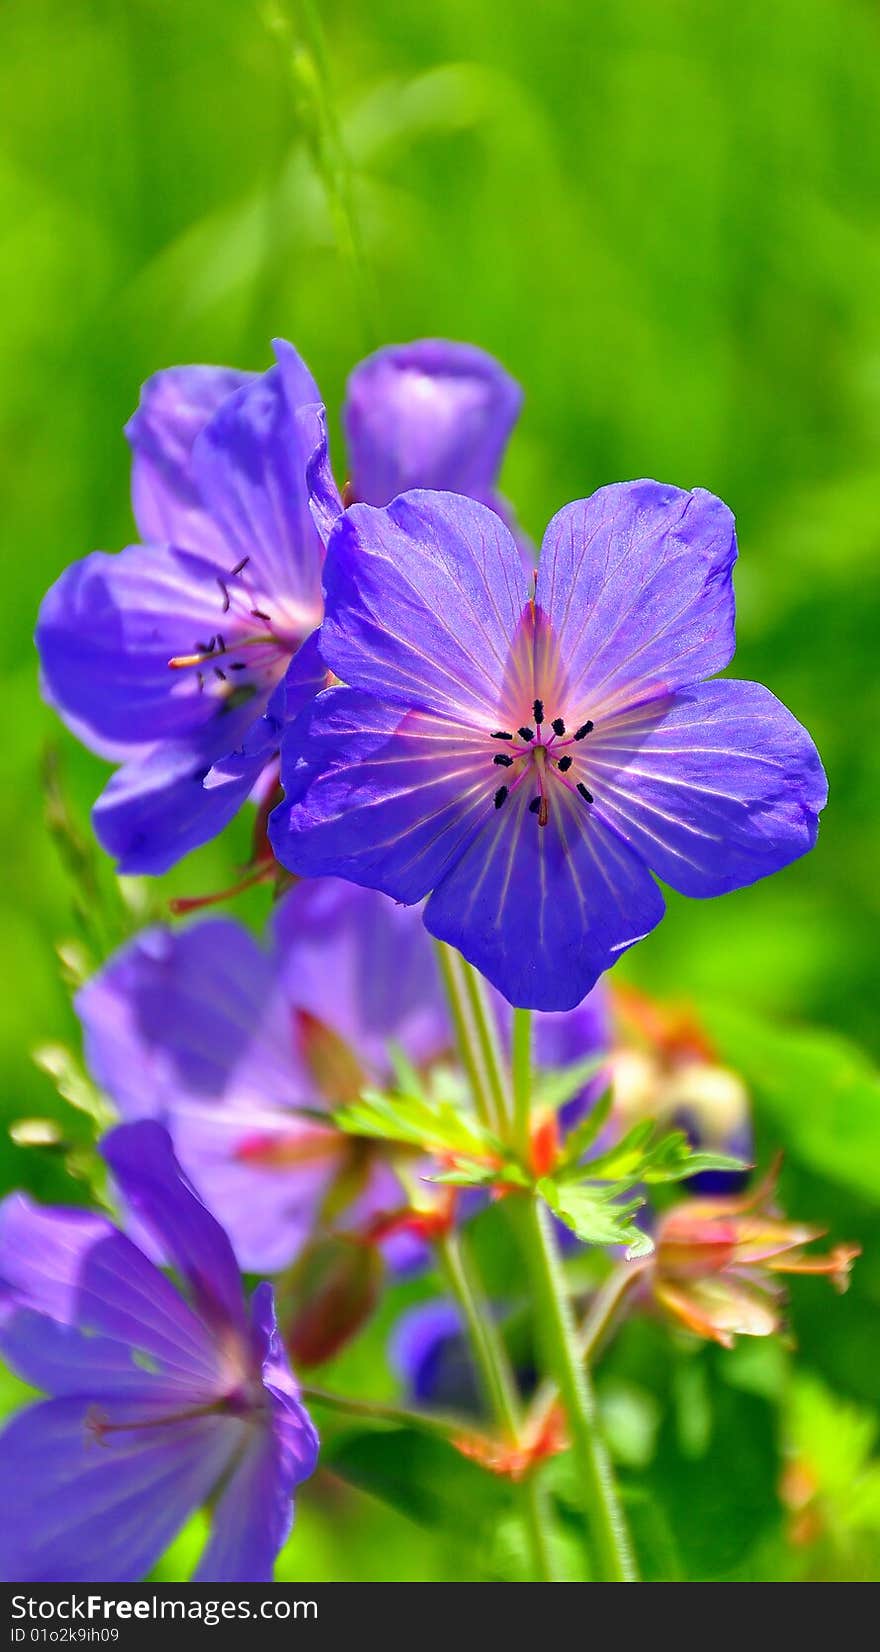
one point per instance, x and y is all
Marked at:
(817, 1091)
(424, 1478)
(554, 1089)
(580, 1139)
(72, 1082)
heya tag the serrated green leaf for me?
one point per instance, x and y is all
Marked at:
(580, 1139)
(591, 1212)
(481, 1176)
(623, 1162)
(417, 1122)
(407, 1079)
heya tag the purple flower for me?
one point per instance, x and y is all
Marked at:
(429, 1351)
(430, 1354)
(160, 1400)
(180, 657)
(431, 414)
(228, 1042)
(529, 760)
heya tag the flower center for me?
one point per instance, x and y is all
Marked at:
(542, 754)
(252, 650)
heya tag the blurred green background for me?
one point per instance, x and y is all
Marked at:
(664, 217)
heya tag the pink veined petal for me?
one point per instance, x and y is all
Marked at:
(636, 585)
(423, 604)
(714, 787)
(108, 629)
(384, 797)
(542, 912)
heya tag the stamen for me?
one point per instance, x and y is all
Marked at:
(260, 613)
(227, 600)
(564, 765)
(538, 709)
(500, 734)
(238, 665)
(503, 760)
(535, 805)
(585, 728)
(217, 646)
(500, 796)
(558, 726)
(585, 794)
(181, 660)
(219, 672)
(233, 572)
(526, 733)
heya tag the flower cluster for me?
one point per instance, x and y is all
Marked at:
(465, 758)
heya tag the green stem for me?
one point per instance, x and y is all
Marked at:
(426, 1422)
(450, 965)
(589, 1336)
(605, 1516)
(522, 1079)
(497, 1379)
(489, 1350)
(313, 82)
(490, 1045)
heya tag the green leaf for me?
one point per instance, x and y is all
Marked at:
(481, 1176)
(819, 1094)
(424, 1478)
(73, 1083)
(591, 1212)
(554, 1089)
(435, 1127)
(622, 1162)
(672, 1159)
(635, 1158)
(579, 1140)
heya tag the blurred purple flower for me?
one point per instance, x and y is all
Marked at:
(431, 414)
(182, 657)
(430, 1354)
(224, 1041)
(529, 760)
(161, 1401)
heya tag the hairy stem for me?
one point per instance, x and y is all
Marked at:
(500, 1387)
(490, 1045)
(591, 1334)
(566, 1367)
(522, 1080)
(451, 967)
